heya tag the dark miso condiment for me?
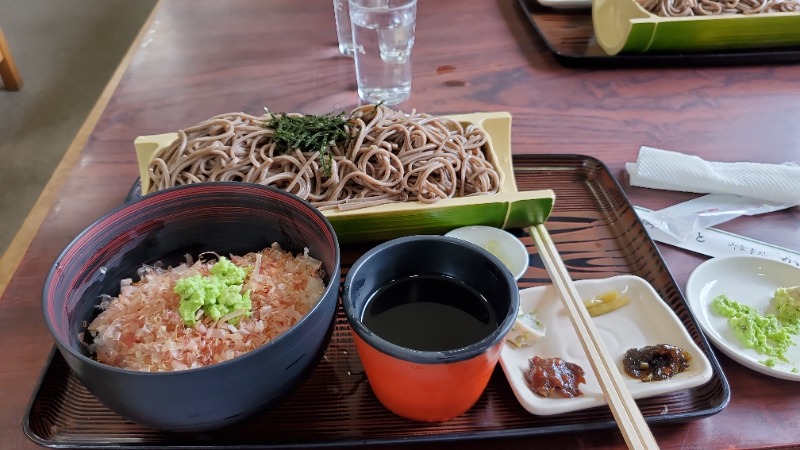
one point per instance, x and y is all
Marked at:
(430, 313)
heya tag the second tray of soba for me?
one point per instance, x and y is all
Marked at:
(639, 26)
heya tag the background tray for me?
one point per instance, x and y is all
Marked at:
(598, 235)
(569, 34)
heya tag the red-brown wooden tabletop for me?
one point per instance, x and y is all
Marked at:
(198, 58)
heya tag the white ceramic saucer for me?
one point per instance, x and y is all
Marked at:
(749, 280)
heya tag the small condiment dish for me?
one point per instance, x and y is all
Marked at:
(646, 320)
(504, 245)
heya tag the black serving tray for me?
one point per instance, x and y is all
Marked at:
(598, 235)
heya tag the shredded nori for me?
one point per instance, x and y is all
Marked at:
(311, 133)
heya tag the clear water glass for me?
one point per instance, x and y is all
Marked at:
(383, 36)
(341, 10)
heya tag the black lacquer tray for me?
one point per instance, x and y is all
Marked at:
(597, 234)
(569, 34)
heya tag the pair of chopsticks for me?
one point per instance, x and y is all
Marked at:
(626, 413)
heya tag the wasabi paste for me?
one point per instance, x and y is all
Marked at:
(765, 333)
(787, 302)
(217, 294)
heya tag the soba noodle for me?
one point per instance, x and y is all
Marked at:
(391, 156)
(681, 8)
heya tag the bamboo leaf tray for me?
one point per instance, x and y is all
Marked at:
(569, 34)
(598, 235)
(508, 208)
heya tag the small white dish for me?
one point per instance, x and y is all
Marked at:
(646, 320)
(507, 247)
(749, 280)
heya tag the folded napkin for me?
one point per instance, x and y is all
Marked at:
(661, 169)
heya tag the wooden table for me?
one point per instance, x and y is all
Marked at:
(198, 58)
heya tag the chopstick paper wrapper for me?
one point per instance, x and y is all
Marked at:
(734, 189)
(629, 418)
(713, 242)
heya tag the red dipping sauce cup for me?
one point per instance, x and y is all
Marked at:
(410, 376)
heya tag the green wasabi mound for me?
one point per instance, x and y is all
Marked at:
(787, 302)
(765, 333)
(218, 294)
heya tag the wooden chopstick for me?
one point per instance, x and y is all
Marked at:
(626, 413)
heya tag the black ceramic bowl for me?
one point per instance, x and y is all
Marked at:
(227, 218)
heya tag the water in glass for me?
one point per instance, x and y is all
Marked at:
(383, 39)
(341, 11)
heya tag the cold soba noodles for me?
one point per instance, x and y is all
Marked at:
(681, 8)
(379, 156)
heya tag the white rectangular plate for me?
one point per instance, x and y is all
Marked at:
(646, 320)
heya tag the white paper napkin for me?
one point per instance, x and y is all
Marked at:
(662, 169)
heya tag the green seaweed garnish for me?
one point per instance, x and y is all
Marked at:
(311, 133)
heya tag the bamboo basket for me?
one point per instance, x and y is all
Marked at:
(509, 208)
(624, 26)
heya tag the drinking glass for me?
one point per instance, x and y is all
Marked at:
(383, 35)
(341, 11)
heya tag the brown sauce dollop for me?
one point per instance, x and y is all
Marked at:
(553, 376)
(655, 362)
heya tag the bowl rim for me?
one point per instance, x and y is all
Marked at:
(334, 282)
(430, 357)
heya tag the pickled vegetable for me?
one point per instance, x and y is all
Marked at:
(606, 302)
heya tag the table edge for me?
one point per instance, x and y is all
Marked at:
(14, 254)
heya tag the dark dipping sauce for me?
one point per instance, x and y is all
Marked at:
(429, 313)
